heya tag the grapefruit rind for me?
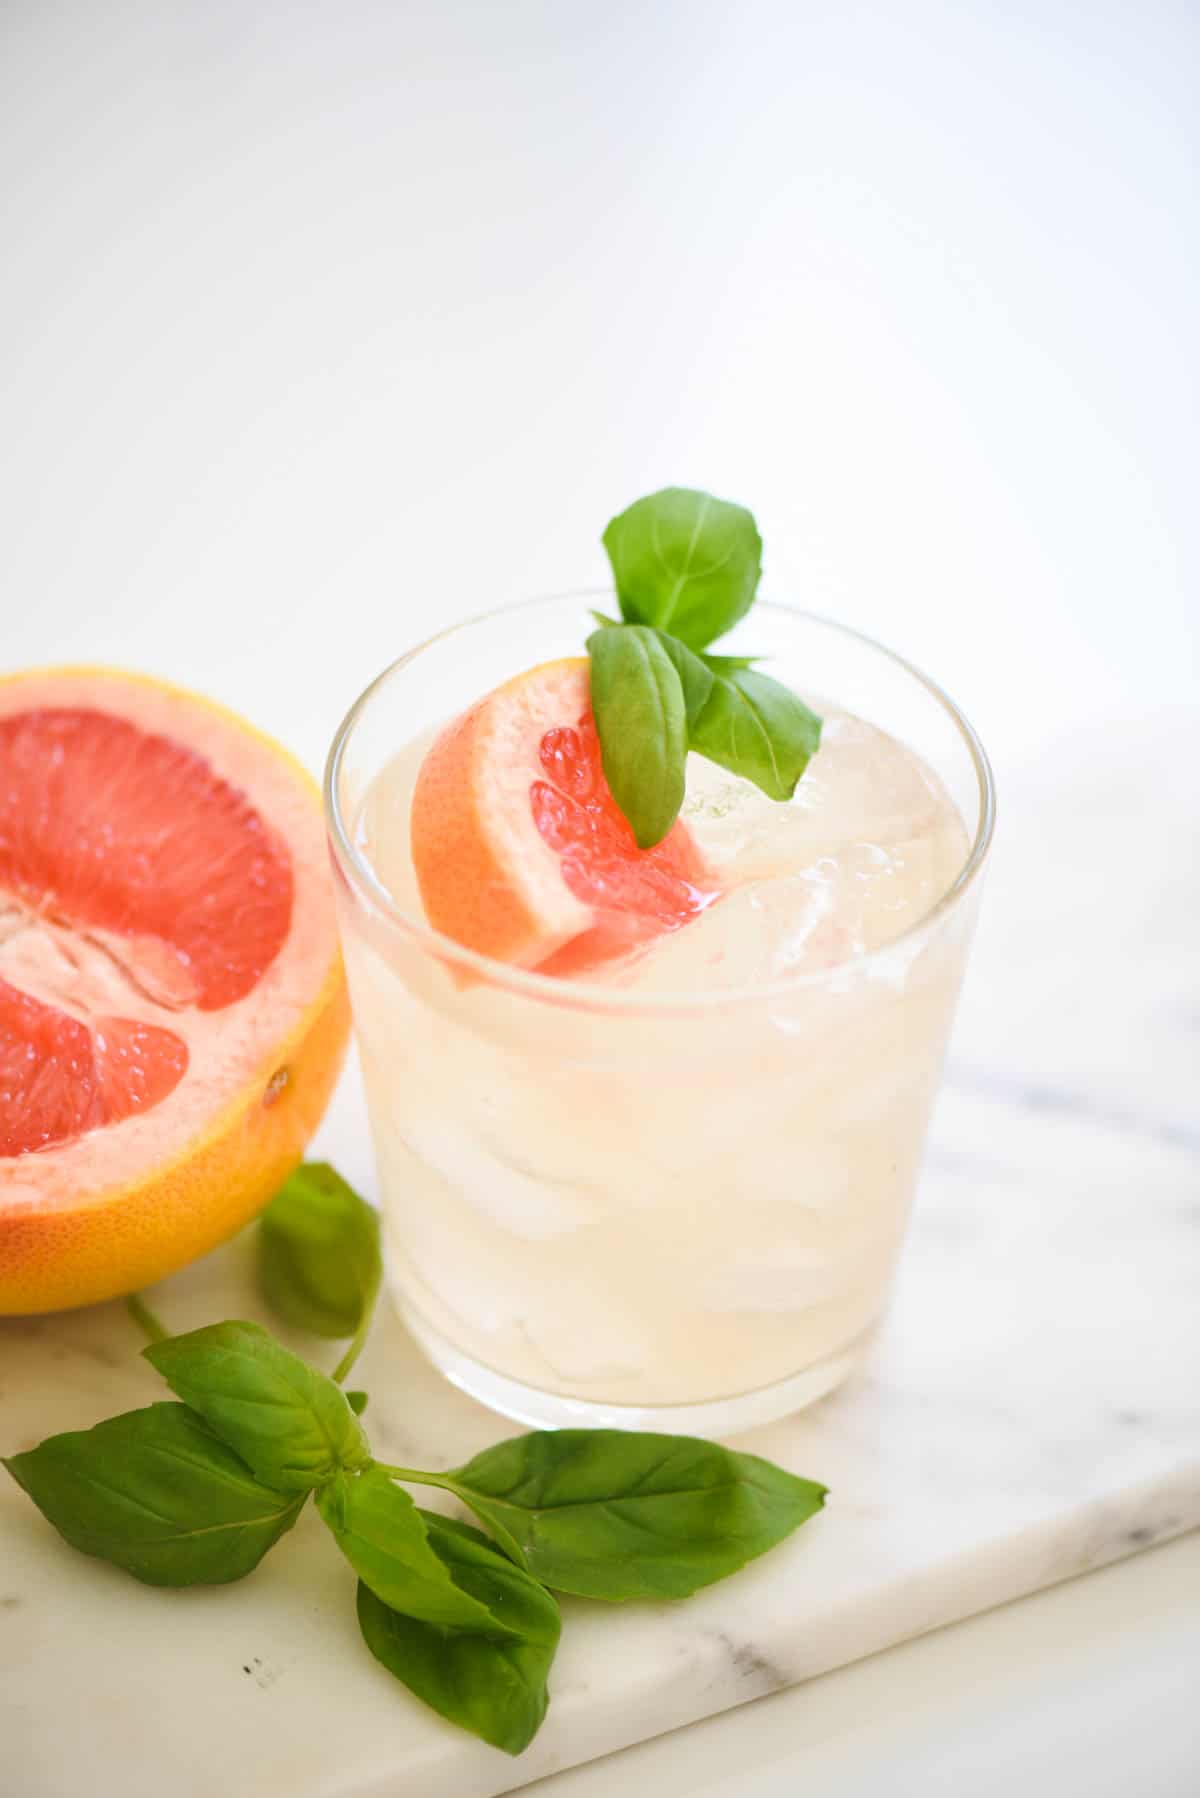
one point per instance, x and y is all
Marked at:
(487, 879)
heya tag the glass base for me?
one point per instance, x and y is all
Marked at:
(553, 1411)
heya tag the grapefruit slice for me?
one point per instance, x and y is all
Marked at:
(519, 849)
(172, 1008)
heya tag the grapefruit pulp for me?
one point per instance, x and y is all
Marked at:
(172, 1008)
(519, 848)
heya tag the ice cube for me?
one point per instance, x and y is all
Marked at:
(781, 1284)
(584, 1333)
(510, 1195)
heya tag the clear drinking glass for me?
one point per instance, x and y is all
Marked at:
(602, 1207)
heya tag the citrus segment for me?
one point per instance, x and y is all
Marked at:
(107, 825)
(519, 849)
(172, 1011)
(59, 1077)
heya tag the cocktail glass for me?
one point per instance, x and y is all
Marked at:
(604, 1206)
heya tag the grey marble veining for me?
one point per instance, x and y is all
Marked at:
(1030, 1409)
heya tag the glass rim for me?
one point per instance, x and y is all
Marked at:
(579, 995)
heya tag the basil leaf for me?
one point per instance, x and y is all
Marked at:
(695, 676)
(383, 1536)
(641, 719)
(494, 1686)
(357, 1402)
(288, 1422)
(616, 1515)
(756, 728)
(685, 562)
(728, 664)
(318, 1252)
(156, 1492)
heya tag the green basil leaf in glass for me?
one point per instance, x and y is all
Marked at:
(290, 1423)
(318, 1253)
(695, 675)
(685, 562)
(728, 664)
(641, 720)
(493, 1686)
(619, 1515)
(758, 729)
(157, 1493)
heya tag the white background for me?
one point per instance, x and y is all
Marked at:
(324, 324)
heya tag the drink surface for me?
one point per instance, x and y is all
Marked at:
(646, 1208)
(865, 849)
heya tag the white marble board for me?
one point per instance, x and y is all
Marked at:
(1032, 1408)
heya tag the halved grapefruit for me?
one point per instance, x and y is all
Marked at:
(519, 848)
(172, 1007)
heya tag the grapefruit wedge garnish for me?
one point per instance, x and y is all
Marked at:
(172, 1009)
(520, 851)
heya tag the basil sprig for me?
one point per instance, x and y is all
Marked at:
(641, 718)
(289, 1423)
(491, 1683)
(758, 728)
(685, 562)
(687, 568)
(318, 1253)
(617, 1515)
(158, 1493)
(196, 1493)
(384, 1537)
